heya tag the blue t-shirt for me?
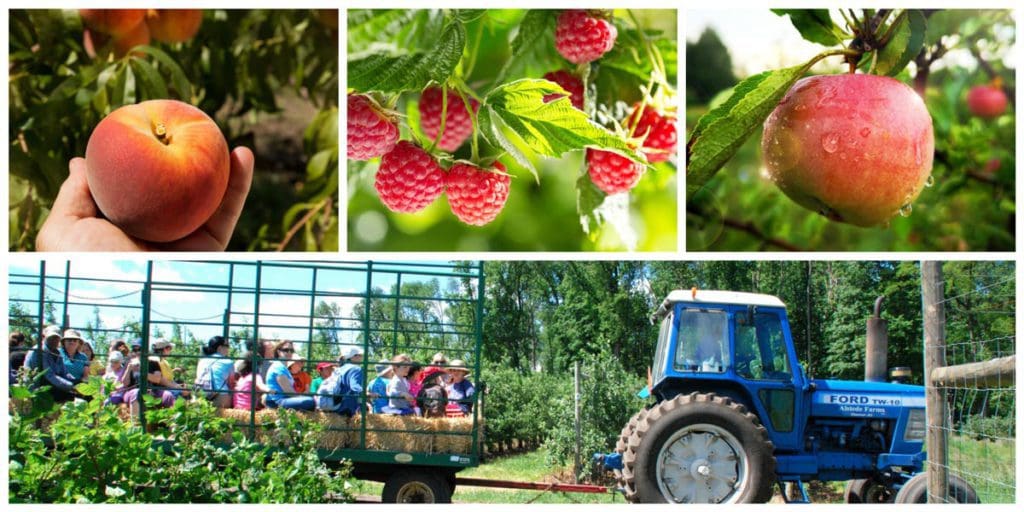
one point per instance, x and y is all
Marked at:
(213, 372)
(277, 369)
(380, 387)
(75, 365)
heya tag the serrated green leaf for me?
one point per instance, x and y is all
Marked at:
(367, 26)
(550, 129)
(535, 34)
(905, 43)
(468, 15)
(814, 25)
(382, 71)
(720, 132)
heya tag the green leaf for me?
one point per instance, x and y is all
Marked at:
(20, 393)
(178, 80)
(152, 84)
(382, 71)
(720, 132)
(907, 39)
(536, 127)
(815, 25)
(367, 26)
(534, 35)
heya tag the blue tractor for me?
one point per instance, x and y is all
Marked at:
(734, 414)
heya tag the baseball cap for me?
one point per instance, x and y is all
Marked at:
(321, 366)
(161, 344)
(72, 334)
(116, 357)
(51, 331)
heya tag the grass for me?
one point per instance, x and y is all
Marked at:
(527, 467)
(989, 466)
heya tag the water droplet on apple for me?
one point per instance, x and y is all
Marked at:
(864, 132)
(800, 107)
(830, 142)
(825, 96)
(906, 210)
(930, 181)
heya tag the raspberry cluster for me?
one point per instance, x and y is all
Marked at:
(582, 37)
(458, 125)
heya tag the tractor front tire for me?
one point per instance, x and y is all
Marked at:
(700, 448)
(868, 490)
(620, 447)
(916, 490)
(412, 486)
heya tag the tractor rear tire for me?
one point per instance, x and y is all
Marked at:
(414, 486)
(916, 490)
(731, 459)
(868, 490)
(620, 447)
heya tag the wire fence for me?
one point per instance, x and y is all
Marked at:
(972, 379)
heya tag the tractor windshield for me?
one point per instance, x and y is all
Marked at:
(703, 341)
(761, 349)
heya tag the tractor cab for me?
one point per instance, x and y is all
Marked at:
(735, 344)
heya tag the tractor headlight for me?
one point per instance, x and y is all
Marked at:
(916, 426)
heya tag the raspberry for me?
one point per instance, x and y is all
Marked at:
(660, 130)
(408, 178)
(459, 125)
(580, 37)
(570, 83)
(475, 195)
(611, 172)
(370, 132)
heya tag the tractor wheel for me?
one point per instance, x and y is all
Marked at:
(868, 490)
(700, 448)
(416, 487)
(621, 446)
(916, 490)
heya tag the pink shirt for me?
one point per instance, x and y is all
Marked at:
(243, 390)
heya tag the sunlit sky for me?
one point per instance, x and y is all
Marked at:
(759, 40)
(194, 304)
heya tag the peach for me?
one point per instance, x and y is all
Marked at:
(93, 42)
(158, 169)
(174, 25)
(854, 148)
(986, 101)
(114, 22)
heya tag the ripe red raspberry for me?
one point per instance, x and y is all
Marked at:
(476, 195)
(580, 37)
(459, 125)
(611, 172)
(408, 178)
(570, 83)
(370, 132)
(660, 130)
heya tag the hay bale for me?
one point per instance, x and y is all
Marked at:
(336, 433)
(396, 433)
(461, 443)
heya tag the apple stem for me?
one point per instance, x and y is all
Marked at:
(161, 133)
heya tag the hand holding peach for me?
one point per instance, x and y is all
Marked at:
(161, 175)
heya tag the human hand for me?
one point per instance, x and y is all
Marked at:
(75, 224)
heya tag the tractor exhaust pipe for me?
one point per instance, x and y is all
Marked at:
(877, 346)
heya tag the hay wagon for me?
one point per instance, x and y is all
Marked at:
(323, 307)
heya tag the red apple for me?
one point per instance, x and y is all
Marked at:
(855, 148)
(158, 169)
(986, 101)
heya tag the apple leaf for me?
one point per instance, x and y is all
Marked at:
(814, 25)
(720, 133)
(516, 117)
(386, 71)
(905, 42)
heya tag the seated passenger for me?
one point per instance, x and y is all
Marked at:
(282, 387)
(250, 387)
(131, 381)
(432, 397)
(460, 389)
(342, 391)
(399, 399)
(215, 372)
(379, 387)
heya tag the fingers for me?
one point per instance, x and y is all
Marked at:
(216, 233)
(73, 199)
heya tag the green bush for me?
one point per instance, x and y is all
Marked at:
(989, 427)
(607, 401)
(521, 407)
(95, 457)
